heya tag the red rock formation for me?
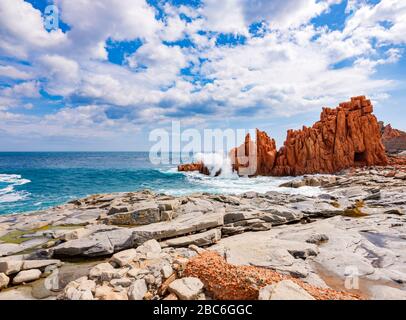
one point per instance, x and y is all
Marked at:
(190, 167)
(198, 166)
(346, 136)
(394, 140)
(266, 153)
(243, 156)
(388, 132)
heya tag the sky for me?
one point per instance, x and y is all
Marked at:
(104, 73)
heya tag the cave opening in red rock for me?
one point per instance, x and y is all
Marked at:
(359, 157)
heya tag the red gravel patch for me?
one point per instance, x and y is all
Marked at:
(231, 282)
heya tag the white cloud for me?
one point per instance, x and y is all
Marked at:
(89, 121)
(234, 16)
(291, 69)
(22, 30)
(174, 28)
(95, 21)
(14, 73)
(367, 22)
(225, 16)
(284, 13)
(29, 89)
(63, 74)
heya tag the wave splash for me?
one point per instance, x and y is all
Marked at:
(216, 162)
(7, 191)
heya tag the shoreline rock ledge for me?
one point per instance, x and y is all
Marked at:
(344, 137)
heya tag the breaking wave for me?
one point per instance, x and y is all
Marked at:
(215, 162)
(8, 182)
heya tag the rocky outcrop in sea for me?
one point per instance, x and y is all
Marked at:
(344, 137)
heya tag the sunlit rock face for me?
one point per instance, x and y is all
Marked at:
(191, 167)
(347, 136)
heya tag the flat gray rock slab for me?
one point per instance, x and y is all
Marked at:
(37, 264)
(7, 249)
(198, 239)
(260, 249)
(97, 244)
(185, 224)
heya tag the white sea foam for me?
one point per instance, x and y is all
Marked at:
(14, 196)
(8, 193)
(233, 184)
(7, 189)
(216, 162)
(14, 179)
(238, 185)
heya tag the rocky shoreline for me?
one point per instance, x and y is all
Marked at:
(346, 243)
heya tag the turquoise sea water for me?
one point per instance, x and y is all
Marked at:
(37, 180)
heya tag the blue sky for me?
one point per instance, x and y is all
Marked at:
(111, 71)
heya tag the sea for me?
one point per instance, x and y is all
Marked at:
(32, 181)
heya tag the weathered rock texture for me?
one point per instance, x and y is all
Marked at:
(394, 140)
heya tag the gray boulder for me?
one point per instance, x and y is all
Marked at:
(187, 288)
(143, 213)
(27, 276)
(137, 290)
